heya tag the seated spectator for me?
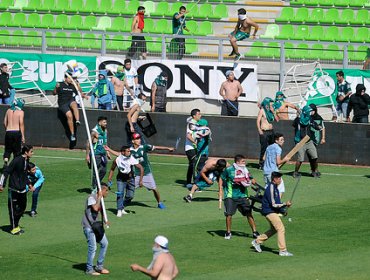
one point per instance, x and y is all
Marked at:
(104, 92)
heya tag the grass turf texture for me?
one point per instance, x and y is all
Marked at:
(328, 233)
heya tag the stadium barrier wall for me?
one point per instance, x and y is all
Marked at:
(345, 144)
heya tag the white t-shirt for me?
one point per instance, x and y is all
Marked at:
(130, 76)
(190, 129)
(124, 163)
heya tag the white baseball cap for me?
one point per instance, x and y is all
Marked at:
(161, 241)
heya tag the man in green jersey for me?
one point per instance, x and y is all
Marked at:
(178, 26)
(235, 180)
(99, 140)
(140, 152)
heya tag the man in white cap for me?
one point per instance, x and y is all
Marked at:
(163, 265)
(242, 31)
(230, 91)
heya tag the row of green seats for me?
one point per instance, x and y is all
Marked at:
(304, 51)
(120, 7)
(332, 3)
(317, 33)
(320, 16)
(19, 38)
(78, 22)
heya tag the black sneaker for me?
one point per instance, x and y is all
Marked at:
(255, 234)
(228, 235)
(296, 174)
(232, 53)
(78, 123)
(187, 198)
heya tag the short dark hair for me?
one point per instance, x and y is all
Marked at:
(102, 118)
(340, 73)
(127, 60)
(141, 95)
(194, 112)
(3, 64)
(124, 147)
(275, 174)
(277, 136)
(242, 11)
(164, 74)
(238, 157)
(104, 186)
(182, 8)
(140, 8)
(26, 149)
(221, 163)
(30, 165)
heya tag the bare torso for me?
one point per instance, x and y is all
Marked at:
(231, 90)
(169, 268)
(13, 120)
(135, 28)
(265, 125)
(282, 112)
(244, 26)
(118, 86)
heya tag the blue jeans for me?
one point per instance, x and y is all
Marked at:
(35, 198)
(5, 100)
(91, 243)
(105, 106)
(342, 109)
(127, 190)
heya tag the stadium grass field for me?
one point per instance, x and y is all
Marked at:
(328, 233)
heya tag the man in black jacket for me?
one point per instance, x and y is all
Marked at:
(359, 102)
(7, 92)
(18, 182)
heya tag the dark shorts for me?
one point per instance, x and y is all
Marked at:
(242, 204)
(64, 108)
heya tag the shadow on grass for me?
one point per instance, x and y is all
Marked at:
(138, 203)
(222, 233)
(84, 190)
(200, 199)
(265, 249)
(114, 211)
(253, 165)
(7, 228)
(367, 176)
(303, 174)
(79, 266)
(181, 182)
(54, 257)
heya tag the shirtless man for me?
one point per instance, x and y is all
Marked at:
(163, 265)
(132, 117)
(281, 106)
(230, 90)
(14, 126)
(207, 176)
(119, 82)
(242, 31)
(138, 41)
(265, 128)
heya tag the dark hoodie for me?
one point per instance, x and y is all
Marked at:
(359, 103)
(4, 85)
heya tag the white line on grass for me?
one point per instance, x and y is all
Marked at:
(185, 164)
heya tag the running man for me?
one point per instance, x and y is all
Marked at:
(132, 118)
(210, 173)
(140, 152)
(230, 91)
(241, 32)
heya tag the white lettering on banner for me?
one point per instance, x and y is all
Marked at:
(191, 79)
(31, 67)
(46, 72)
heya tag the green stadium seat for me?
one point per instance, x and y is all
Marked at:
(312, 2)
(161, 10)
(316, 52)
(271, 50)
(329, 3)
(61, 6)
(19, 5)
(118, 24)
(205, 29)
(75, 22)
(289, 50)
(163, 27)
(89, 41)
(127, 27)
(347, 34)
(256, 49)
(154, 44)
(193, 10)
(5, 4)
(360, 54)
(271, 32)
(33, 39)
(103, 23)
(59, 40)
(90, 6)
(362, 17)
(317, 15)
(301, 51)
(331, 16)
(286, 32)
(342, 3)
(16, 38)
(351, 52)
(118, 43)
(302, 32)
(221, 11)
(332, 52)
(61, 21)
(231, 1)
(357, 3)
(205, 11)
(332, 34)
(191, 46)
(362, 36)
(301, 15)
(47, 6)
(298, 2)
(346, 17)
(118, 7)
(149, 7)
(4, 37)
(287, 14)
(75, 6)
(174, 8)
(33, 5)
(74, 40)
(104, 7)
(19, 20)
(47, 21)
(33, 20)
(149, 26)
(89, 23)
(192, 25)
(131, 8)
(317, 33)
(6, 18)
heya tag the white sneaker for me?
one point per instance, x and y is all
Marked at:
(285, 254)
(228, 235)
(256, 246)
(119, 213)
(124, 212)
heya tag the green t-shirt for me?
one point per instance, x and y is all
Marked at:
(176, 24)
(102, 141)
(343, 89)
(141, 154)
(231, 189)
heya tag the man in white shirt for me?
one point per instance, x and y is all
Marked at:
(132, 82)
